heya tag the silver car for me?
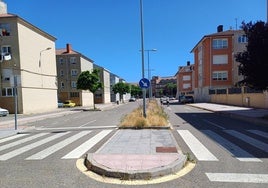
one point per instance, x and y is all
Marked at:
(3, 112)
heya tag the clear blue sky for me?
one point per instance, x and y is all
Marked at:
(108, 31)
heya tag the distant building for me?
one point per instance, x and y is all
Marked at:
(160, 86)
(103, 95)
(28, 57)
(185, 80)
(214, 61)
(69, 66)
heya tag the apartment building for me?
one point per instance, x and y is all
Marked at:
(27, 65)
(69, 65)
(185, 80)
(103, 95)
(114, 79)
(160, 86)
(214, 61)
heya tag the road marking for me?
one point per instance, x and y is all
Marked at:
(82, 149)
(44, 153)
(238, 178)
(199, 150)
(26, 148)
(216, 125)
(256, 143)
(75, 128)
(12, 137)
(22, 141)
(238, 152)
(88, 123)
(260, 133)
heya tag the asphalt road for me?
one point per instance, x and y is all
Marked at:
(225, 149)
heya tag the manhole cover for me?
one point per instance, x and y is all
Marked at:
(166, 150)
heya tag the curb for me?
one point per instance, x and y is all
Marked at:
(156, 172)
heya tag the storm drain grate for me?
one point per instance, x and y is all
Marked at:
(166, 150)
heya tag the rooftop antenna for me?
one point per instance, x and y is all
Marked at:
(235, 23)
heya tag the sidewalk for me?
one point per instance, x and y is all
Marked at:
(253, 115)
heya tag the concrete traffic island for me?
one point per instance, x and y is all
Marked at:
(135, 167)
(143, 156)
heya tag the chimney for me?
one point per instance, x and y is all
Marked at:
(220, 28)
(68, 48)
(188, 63)
(3, 7)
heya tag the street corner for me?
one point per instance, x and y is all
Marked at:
(102, 173)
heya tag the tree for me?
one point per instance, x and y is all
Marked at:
(121, 88)
(254, 61)
(135, 91)
(89, 81)
(171, 88)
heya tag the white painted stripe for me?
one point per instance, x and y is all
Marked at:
(214, 124)
(199, 150)
(260, 133)
(44, 153)
(238, 152)
(249, 140)
(82, 149)
(76, 128)
(26, 148)
(88, 123)
(12, 137)
(21, 141)
(238, 178)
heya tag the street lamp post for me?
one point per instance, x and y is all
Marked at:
(149, 71)
(142, 59)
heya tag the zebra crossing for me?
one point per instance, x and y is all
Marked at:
(203, 154)
(19, 144)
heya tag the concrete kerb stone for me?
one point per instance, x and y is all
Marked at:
(152, 173)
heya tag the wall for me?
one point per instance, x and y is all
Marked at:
(256, 100)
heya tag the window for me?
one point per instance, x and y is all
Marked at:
(73, 60)
(73, 84)
(61, 61)
(6, 92)
(220, 59)
(242, 39)
(219, 43)
(61, 72)
(186, 78)
(186, 86)
(5, 53)
(74, 94)
(4, 29)
(74, 72)
(220, 75)
(62, 85)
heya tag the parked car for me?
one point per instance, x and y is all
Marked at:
(3, 112)
(68, 103)
(60, 104)
(132, 99)
(164, 100)
(186, 99)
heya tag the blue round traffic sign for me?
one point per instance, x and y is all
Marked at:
(144, 83)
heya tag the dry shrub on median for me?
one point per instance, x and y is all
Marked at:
(156, 117)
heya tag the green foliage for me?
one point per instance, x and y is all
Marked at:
(121, 88)
(89, 81)
(135, 91)
(254, 61)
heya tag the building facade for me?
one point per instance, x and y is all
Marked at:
(27, 65)
(160, 86)
(214, 61)
(69, 66)
(185, 80)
